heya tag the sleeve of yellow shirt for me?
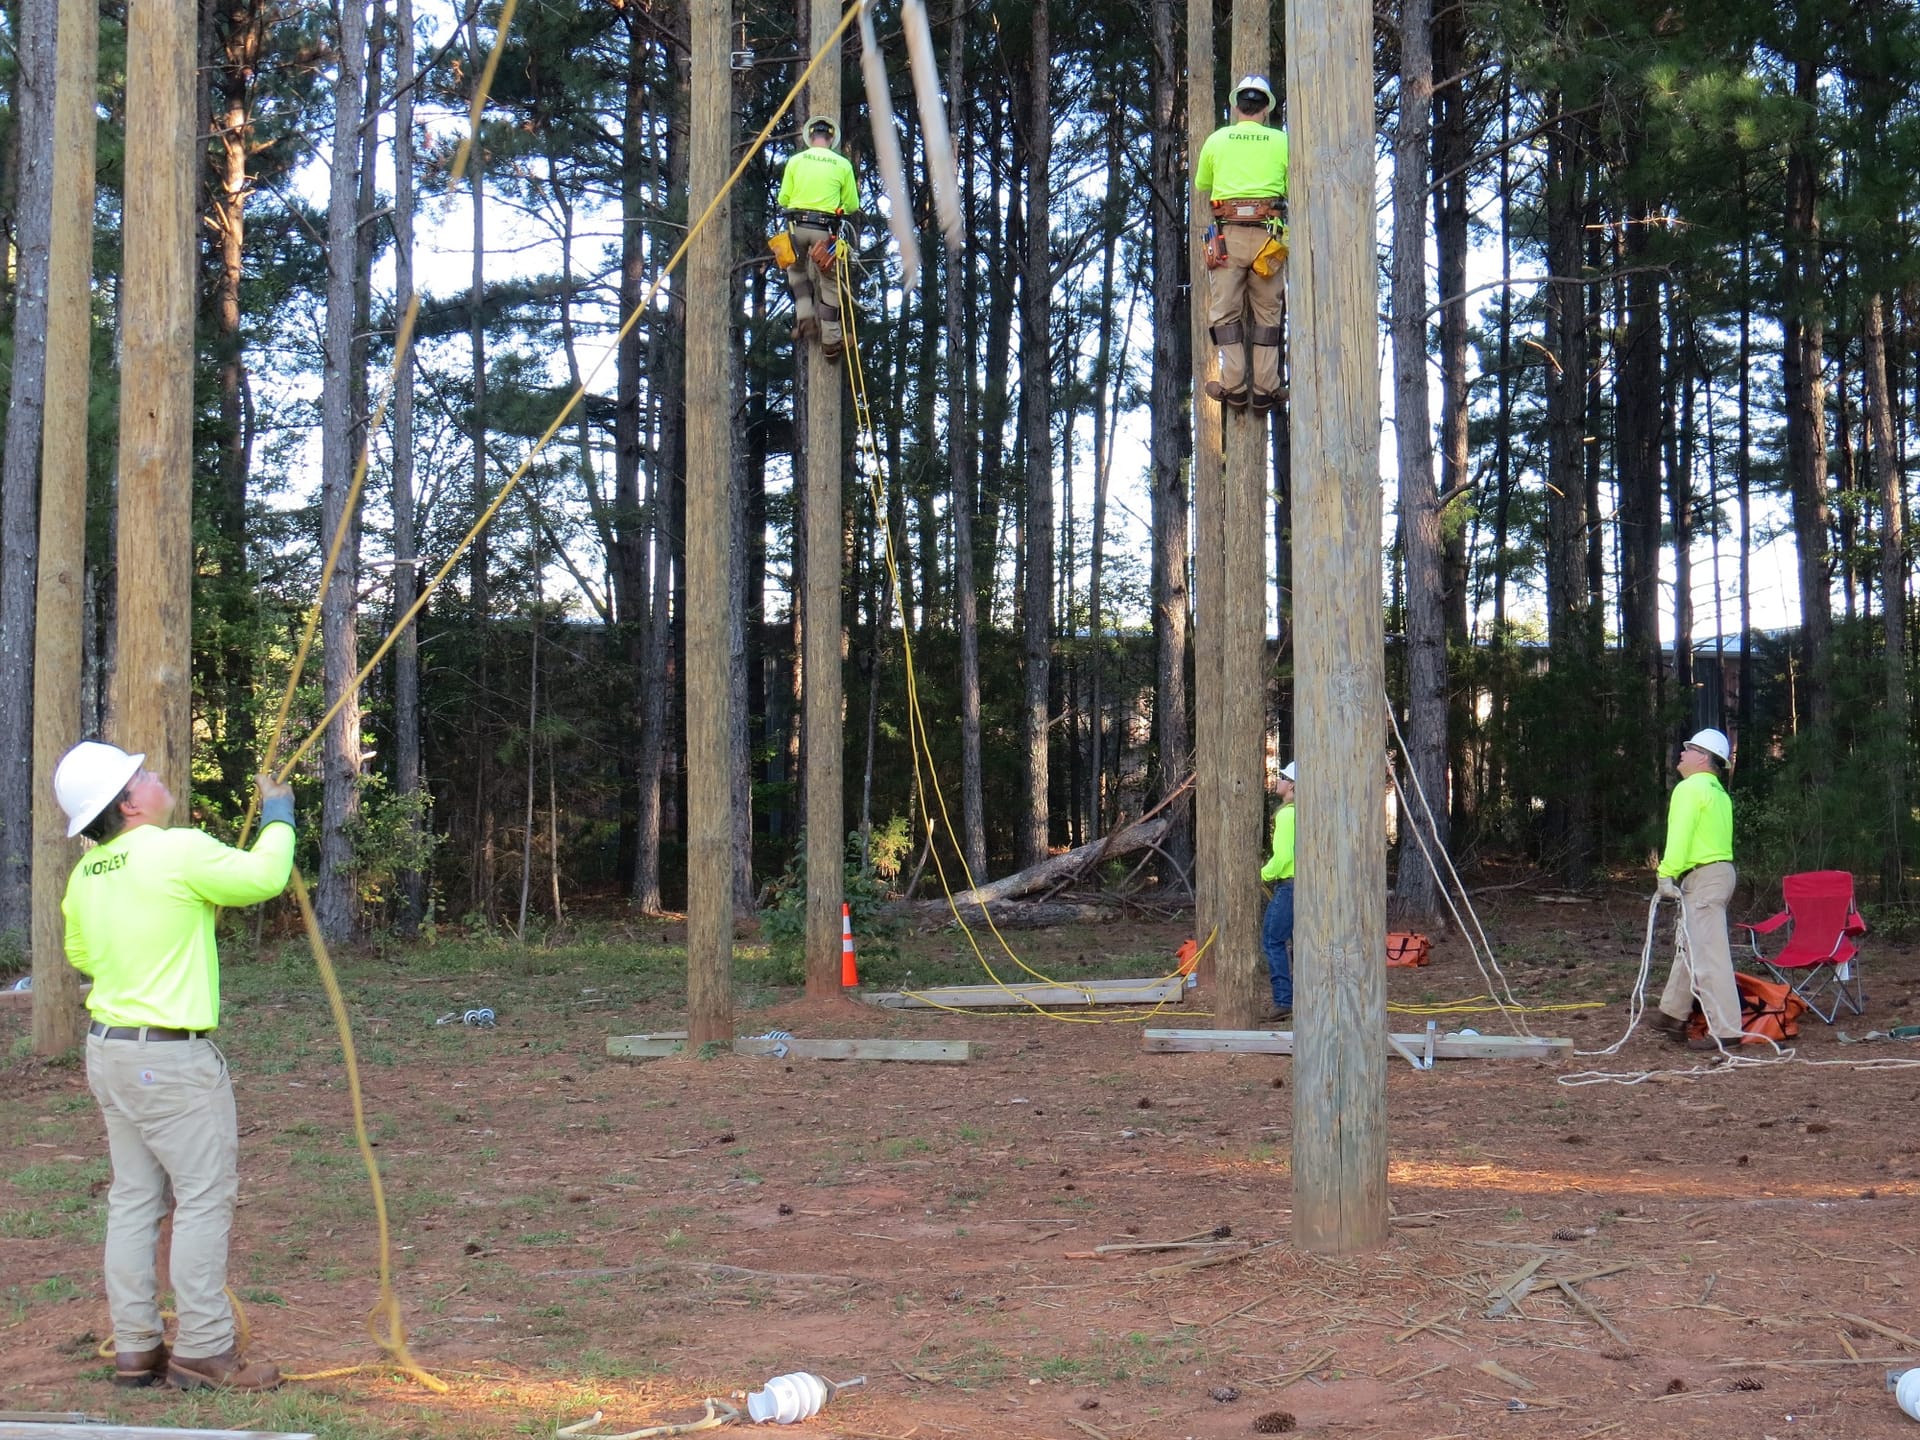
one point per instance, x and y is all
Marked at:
(786, 185)
(76, 940)
(1203, 172)
(1683, 813)
(849, 189)
(1279, 865)
(223, 875)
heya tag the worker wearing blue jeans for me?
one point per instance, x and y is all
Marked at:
(1276, 933)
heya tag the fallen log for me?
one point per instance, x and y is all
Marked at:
(1014, 914)
(1057, 869)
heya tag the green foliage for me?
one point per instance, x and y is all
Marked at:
(391, 836)
(784, 922)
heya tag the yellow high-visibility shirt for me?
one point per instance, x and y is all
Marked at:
(140, 912)
(818, 178)
(1699, 825)
(1280, 865)
(1243, 161)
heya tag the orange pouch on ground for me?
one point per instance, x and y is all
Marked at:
(1405, 950)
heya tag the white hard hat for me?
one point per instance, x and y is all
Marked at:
(814, 122)
(1714, 743)
(89, 778)
(1286, 772)
(1256, 82)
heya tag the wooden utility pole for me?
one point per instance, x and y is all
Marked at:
(59, 1022)
(1205, 479)
(150, 700)
(824, 639)
(1236, 611)
(1340, 1066)
(709, 531)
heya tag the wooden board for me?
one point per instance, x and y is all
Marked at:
(31, 1430)
(1280, 1042)
(938, 1052)
(1088, 992)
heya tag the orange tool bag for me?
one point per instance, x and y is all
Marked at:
(1767, 1011)
(1406, 950)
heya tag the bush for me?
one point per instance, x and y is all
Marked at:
(783, 924)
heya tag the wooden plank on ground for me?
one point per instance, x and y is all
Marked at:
(1280, 1042)
(937, 1052)
(1087, 992)
(34, 1430)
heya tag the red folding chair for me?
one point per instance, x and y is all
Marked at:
(1819, 959)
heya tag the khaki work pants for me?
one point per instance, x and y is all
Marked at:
(1232, 292)
(816, 292)
(170, 1128)
(1703, 962)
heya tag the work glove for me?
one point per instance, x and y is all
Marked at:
(276, 800)
(1667, 889)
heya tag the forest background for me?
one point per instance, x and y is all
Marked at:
(1692, 314)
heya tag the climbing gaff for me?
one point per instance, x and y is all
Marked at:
(934, 134)
(886, 150)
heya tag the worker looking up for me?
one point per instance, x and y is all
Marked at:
(1243, 173)
(1696, 869)
(139, 914)
(1276, 933)
(817, 189)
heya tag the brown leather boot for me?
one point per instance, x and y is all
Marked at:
(134, 1369)
(1236, 398)
(225, 1372)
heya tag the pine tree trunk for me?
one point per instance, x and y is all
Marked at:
(1036, 389)
(965, 502)
(1415, 897)
(1172, 376)
(1804, 387)
(337, 902)
(1452, 150)
(1893, 593)
(407, 781)
(1569, 811)
(20, 465)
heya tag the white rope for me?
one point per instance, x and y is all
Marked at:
(1491, 974)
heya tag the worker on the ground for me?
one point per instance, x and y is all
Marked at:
(1276, 933)
(139, 911)
(1243, 173)
(1696, 869)
(817, 190)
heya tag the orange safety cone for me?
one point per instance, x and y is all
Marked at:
(849, 975)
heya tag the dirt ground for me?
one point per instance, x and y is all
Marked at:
(574, 1233)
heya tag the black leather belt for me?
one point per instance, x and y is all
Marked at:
(813, 219)
(143, 1032)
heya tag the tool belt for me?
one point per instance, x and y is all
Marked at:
(813, 219)
(781, 244)
(1255, 210)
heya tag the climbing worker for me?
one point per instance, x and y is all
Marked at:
(1243, 173)
(1276, 932)
(139, 911)
(817, 192)
(1696, 869)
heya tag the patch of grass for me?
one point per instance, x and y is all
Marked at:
(971, 1134)
(899, 1149)
(55, 1177)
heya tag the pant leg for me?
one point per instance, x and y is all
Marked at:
(1704, 894)
(179, 1095)
(1276, 938)
(802, 276)
(1226, 307)
(136, 1204)
(1264, 293)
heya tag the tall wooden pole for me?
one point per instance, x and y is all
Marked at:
(1238, 616)
(1340, 1060)
(151, 695)
(1202, 115)
(58, 1019)
(709, 530)
(824, 641)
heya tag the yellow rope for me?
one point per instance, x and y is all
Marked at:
(920, 743)
(384, 1323)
